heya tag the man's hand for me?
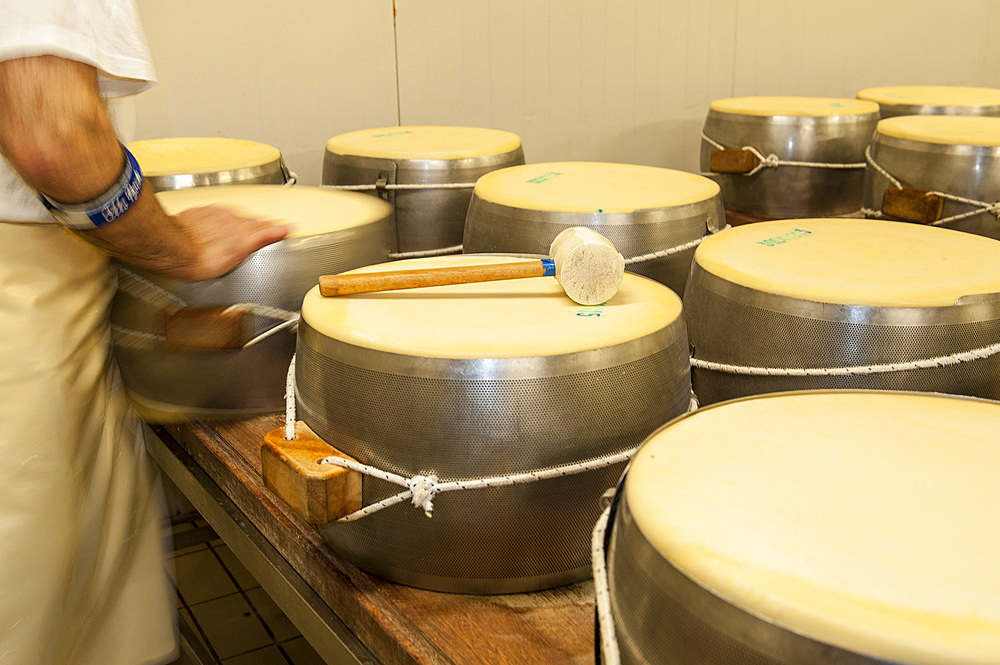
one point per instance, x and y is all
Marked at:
(224, 238)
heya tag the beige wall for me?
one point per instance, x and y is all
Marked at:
(607, 80)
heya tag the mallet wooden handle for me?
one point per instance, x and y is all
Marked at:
(369, 282)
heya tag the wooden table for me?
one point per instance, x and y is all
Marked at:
(345, 613)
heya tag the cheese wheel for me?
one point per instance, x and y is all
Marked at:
(855, 261)
(863, 520)
(793, 106)
(424, 142)
(179, 156)
(943, 129)
(593, 187)
(932, 95)
(308, 211)
(504, 319)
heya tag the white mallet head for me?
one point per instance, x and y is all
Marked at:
(588, 266)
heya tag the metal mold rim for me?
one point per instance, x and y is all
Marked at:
(487, 369)
(890, 110)
(973, 311)
(781, 120)
(950, 149)
(274, 172)
(473, 585)
(640, 216)
(727, 616)
(415, 166)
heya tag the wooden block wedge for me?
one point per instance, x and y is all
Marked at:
(318, 493)
(912, 205)
(732, 160)
(207, 328)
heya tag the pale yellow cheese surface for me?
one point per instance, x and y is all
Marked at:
(502, 319)
(596, 187)
(190, 155)
(424, 142)
(866, 521)
(932, 95)
(855, 261)
(794, 106)
(306, 210)
(943, 129)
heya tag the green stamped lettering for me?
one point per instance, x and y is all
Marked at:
(794, 234)
(592, 310)
(545, 177)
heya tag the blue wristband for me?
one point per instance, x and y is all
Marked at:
(107, 207)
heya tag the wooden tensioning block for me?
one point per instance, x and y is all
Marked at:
(912, 205)
(207, 328)
(318, 493)
(734, 160)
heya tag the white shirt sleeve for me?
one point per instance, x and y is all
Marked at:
(104, 33)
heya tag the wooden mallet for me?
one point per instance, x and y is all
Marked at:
(585, 263)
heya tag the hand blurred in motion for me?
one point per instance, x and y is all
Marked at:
(224, 239)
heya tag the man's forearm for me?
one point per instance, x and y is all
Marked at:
(56, 132)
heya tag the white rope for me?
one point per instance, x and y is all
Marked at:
(454, 249)
(267, 311)
(288, 319)
(140, 287)
(421, 490)
(991, 208)
(668, 252)
(135, 339)
(442, 251)
(858, 370)
(610, 654)
(290, 401)
(394, 186)
(772, 161)
(602, 591)
(713, 142)
(885, 174)
(457, 249)
(984, 207)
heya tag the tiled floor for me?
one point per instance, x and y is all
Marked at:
(231, 615)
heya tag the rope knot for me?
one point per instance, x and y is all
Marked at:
(995, 209)
(424, 489)
(771, 161)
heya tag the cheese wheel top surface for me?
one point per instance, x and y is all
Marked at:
(794, 106)
(502, 319)
(855, 261)
(943, 129)
(424, 142)
(306, 210)
(932, 95)
(595, 187)
(182, 156)
(863, 520)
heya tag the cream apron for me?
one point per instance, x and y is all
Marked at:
(81, 551)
